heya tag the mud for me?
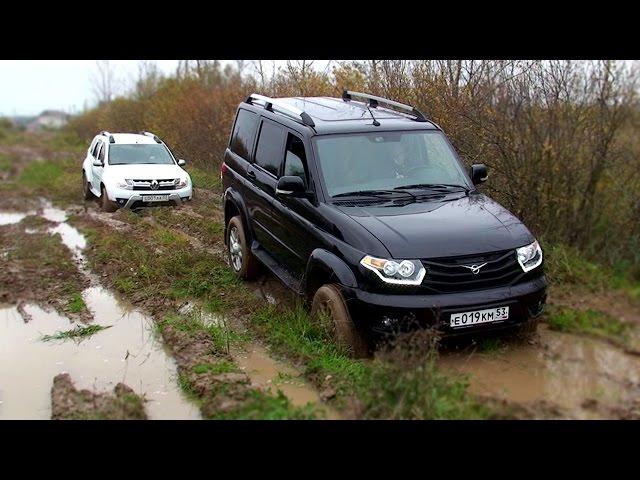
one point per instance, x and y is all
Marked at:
(69, 403)
(559, 376)
(268, 373)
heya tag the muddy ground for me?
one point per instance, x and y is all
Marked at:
(195, 354)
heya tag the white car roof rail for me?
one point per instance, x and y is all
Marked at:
(109, 136)
(273, 104)
(375, 101)
(152, 135)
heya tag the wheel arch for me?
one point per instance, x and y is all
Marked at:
(234, 205)
(326, 267)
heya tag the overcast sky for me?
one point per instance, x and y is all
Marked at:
(27, 87)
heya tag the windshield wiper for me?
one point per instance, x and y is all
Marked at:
(372, 193)
(434, 186)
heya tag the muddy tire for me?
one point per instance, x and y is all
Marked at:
(244, 264)
(86, 191)
(330, 309)
(107, 205)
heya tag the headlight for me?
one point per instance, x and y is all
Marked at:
(181, 182)
(126, 184)
(529, 256)
(401, 272)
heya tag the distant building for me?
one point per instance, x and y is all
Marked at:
(49, 119)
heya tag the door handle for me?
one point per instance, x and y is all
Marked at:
(251, 174)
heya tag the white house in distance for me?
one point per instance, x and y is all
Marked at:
(49, 119)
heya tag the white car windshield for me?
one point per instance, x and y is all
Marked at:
(387, 161)
(139, 153)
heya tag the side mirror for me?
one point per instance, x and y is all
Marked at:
(291, 186)
(182, 162)
(479, 173)
(97, 163)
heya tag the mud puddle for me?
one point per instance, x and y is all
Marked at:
(266, 372)
(128, 352)
(584, 377)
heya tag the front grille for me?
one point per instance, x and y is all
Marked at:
(146, 185)
(448, 275)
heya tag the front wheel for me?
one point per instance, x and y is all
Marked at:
(329, 310)
(244, 264)
(107, 205)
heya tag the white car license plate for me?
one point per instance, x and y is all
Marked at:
(155, 198)
(465, 319)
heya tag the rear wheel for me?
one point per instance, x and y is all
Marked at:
(86, 190)
(107, 205)
(240, 258)
(329, 310)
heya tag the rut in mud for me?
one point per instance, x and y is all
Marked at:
(127, 352)
(558, 375)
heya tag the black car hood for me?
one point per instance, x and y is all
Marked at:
(448, 227)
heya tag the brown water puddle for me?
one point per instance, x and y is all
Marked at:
(570, 371)
(128, 352)
(266, 372)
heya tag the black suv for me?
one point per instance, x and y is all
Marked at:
(364, 208)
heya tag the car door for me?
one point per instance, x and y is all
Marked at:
(293, 217)
(97, 171)
(262, 175)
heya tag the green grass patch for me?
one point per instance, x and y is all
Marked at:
(80, 331)
(209, 180)
(223, 366)
(264, 406)
(76, 303)
(589, 322)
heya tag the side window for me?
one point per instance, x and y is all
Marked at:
(94, 152)
(295, 158)
(270, 147)
(101, 152)
(244, 132)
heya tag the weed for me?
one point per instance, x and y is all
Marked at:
(590, 322)
(263, 406)
(76, 303)
(79, 331)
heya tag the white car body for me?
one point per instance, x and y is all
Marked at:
(134, 185)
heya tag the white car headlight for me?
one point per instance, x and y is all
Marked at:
(182, 182)
(127, 184)
(400, 272)
(529, 256)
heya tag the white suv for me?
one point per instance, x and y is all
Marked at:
(131, 170)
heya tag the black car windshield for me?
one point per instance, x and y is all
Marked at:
(386, 161)
(139, 153)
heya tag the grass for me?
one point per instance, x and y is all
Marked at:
(208, 180)
(588, 322)
(264, 406)
(79, 331)
(404, 383)
(221, 367)
(76, 303)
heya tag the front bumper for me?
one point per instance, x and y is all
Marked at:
(393, 313)
(134, 199)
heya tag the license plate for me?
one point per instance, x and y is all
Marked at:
(465, 319)
(155, 198)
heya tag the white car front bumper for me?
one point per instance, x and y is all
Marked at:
(127, 198)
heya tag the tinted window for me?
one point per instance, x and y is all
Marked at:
(94, 152)
(269, 152)
(244, 133)
(101, 152)
(139, 153)
(295, 158)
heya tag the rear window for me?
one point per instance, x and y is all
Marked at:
(244, 133)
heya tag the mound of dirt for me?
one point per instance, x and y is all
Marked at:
(68, 403)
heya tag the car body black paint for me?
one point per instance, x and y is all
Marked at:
(300, 238)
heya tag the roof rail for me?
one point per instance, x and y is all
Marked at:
(152, 135)
(107, 134)
(374, 101)
(272, 104)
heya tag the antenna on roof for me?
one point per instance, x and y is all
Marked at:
(376, 123)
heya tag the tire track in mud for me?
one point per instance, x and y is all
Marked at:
(263, 371)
